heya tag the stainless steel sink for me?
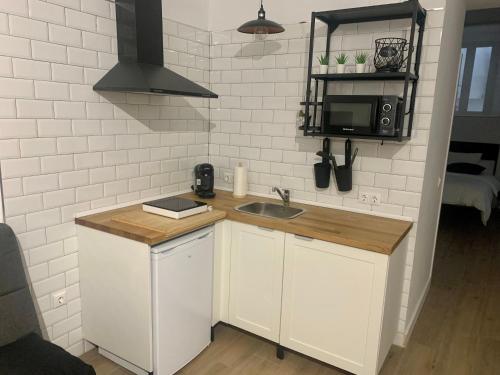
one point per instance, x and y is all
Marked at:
(277, 211)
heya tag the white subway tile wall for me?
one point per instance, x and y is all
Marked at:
(255, 120)
(65, 148)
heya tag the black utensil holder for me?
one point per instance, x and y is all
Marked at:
(343, 175)
(322, 175)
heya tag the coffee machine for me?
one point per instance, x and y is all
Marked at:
(204, 180)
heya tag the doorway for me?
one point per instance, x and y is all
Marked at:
(461, 316)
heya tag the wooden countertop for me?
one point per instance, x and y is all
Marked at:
(362, 231)
(133, 223)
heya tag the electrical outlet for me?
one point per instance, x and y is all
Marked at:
(375, 199)
(228, 178)
(369, 198)
(364, 197)
(58, 299)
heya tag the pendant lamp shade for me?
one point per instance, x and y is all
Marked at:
(261, 25)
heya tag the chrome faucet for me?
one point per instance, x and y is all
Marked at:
(285, 195)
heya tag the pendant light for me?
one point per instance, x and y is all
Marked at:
(261, 25)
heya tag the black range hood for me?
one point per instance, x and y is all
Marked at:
(140, 54)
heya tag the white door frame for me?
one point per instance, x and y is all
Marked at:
(1, 199)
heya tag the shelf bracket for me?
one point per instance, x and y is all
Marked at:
(309, 71)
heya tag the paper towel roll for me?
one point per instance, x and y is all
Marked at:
(240, 181)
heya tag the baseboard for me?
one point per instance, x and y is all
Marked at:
(399, 340)
(87, 346)
(413, 320)
(123, 363)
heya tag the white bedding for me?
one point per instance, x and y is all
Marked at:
(479, 191)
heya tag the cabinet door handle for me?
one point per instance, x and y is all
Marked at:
(266, 229)
(303, 238)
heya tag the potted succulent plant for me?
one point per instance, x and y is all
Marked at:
(324, 60)
(360, 59)
(341, 62)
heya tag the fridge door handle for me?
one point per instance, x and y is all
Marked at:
(203, 236)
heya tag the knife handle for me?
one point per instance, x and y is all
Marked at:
(348, 152)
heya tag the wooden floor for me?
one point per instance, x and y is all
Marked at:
(457, 333)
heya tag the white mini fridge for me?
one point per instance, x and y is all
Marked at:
(182, 299)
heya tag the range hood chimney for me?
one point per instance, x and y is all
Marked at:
(140, 54)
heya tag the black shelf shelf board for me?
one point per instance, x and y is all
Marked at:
(372, 13)
(378, 76)
(354, 136)
(301, 127)
(311, 103)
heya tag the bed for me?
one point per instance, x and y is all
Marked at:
(470, 178)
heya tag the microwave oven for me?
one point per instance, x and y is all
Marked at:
(361, 115)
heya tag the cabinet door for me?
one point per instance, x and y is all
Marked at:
(256, 276)
(332, 303)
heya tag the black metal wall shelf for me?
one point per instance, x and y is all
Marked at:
(409, 9)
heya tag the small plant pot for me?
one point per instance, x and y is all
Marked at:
(343, 175)
(360, 68)
(340, 68)
(322, 175)
(323, 69)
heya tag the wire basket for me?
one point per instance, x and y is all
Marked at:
(390, 54)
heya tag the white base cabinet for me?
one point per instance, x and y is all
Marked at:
(148, 309)
(115, 282)
(256, 274)
(335, 303)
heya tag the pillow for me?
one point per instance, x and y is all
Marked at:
(465, 168)
(464, 157)
(489, 167)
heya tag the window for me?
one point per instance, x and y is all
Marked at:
(463, 56)
(474, 86)
(478, 86)
(479, 81)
